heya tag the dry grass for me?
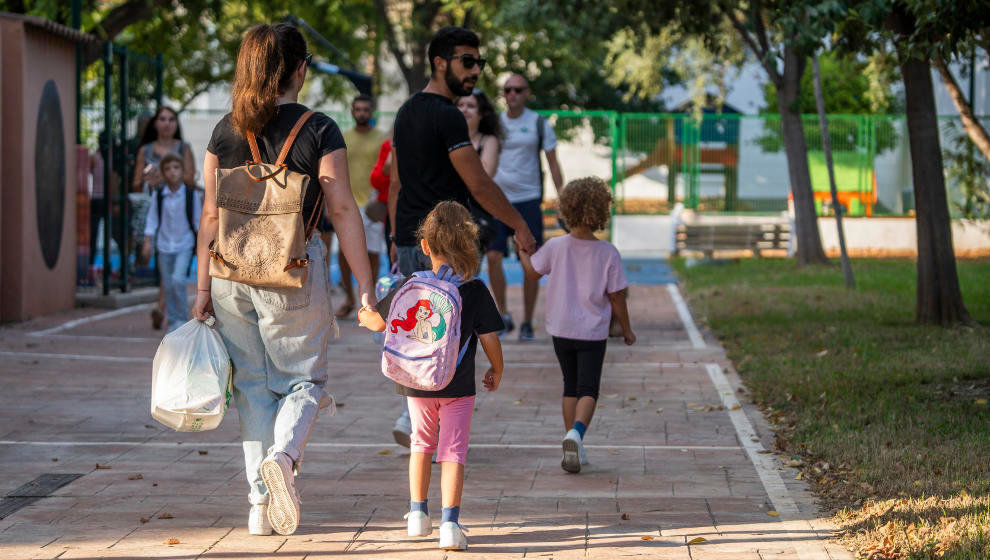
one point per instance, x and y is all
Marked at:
(889, 419)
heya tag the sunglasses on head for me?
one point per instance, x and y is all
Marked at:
(468, 60)
(309, 59)
(514, 89)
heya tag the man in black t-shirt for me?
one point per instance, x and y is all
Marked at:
(433, 155)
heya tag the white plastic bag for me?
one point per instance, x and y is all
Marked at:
(191, 378)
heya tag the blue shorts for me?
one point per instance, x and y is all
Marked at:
(532, 214)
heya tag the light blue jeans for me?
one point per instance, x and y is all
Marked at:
(173, 268)
(278, 339)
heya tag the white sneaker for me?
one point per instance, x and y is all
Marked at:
(283, 506)
(258, 523)
(402, 430)
(583, 454)
(571, 462)
(419, 524)
(452, 536)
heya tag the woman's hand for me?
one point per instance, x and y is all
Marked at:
(203, 307)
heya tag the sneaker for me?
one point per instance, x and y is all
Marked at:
(418, 523)
(402, 429)
(571, 462)
(283, 507)
(509, 325)
(452, 536)
(525, 332)
(583, 454)
(258, 523)
(156, 319)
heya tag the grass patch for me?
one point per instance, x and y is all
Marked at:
(890, 419)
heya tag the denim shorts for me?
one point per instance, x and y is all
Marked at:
(532, 214)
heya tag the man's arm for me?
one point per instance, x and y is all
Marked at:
(487, 193)
(393, 188)
(555, 173)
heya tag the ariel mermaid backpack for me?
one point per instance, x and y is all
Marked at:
(423, 331)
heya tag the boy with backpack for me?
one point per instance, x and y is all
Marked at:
(172, 223)
(434, 321)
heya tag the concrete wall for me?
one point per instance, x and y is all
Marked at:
(31, 58)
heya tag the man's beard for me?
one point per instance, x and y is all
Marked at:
(456, 87)
(362, 121)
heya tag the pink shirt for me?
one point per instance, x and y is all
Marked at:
(581, 275)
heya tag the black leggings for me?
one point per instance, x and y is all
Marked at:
(581, 363)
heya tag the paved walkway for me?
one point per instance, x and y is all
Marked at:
(674, 459)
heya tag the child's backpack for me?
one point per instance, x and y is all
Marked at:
(423, 331)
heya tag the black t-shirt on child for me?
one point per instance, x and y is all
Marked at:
(479, 315)
(427, 128)
(318, 137)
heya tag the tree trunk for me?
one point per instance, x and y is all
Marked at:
(974, 129)
(939, 299)
(809, 241)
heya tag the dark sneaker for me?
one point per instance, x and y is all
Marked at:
(509, 325)
(525, 332)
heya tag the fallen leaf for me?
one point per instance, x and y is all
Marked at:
(800, 476)
(625, 517)
(659, 410)
(145, 520)
(103, 467)
(600, 406)
(171, 541)
(385, 452)
(166, 515)
(981, 402)
(54, 459)
(736, 406)
(773, 513)
(149, 426)
(697, 540)
(632, 398)
(137, 476)
(794, 463)
(646, 538)
(154, 484)
(517, 402)
(204, 452)
(822, 353)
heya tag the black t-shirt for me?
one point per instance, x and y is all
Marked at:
(427, 128)
(479, 315)
(318, 137)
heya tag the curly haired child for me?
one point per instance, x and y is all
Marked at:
(586, 286)
(441, 420)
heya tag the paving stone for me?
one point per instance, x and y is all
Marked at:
(650, 475)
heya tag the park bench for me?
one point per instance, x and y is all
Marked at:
(707, 238)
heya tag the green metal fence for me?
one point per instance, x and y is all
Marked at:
(733, 163)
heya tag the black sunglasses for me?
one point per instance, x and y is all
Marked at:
(469, 61)
(514, 89)
(309, 59)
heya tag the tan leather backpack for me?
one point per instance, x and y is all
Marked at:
(262, 236)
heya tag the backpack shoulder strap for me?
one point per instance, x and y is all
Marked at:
(253, 141)
(190, 198)
(292, 137)
(159, 198)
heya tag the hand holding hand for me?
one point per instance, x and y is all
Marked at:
(492, 379)
(525, 241)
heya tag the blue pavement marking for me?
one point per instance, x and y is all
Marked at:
(643, 271)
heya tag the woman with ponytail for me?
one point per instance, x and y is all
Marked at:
(278, 338)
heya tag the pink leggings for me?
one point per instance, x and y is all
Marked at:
(442, 425)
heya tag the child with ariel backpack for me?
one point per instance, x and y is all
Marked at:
(433, 322)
